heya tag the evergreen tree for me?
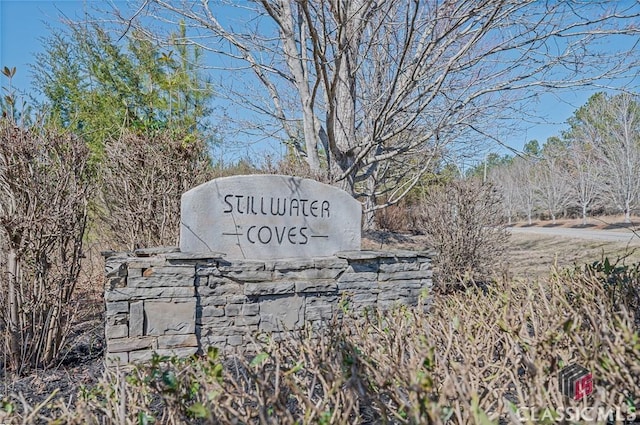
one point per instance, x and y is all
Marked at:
(97, 86)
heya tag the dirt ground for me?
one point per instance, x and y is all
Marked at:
(530, 257)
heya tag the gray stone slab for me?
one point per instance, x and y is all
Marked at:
(251, 276)
(293, 264)
(363, 255)
(174, 270)
(154, 281)
(330, 263)
(240, 265)
(148, 252)
(250, 309)
(362, 286)
(320, 312)
(145, 263)
(167, 318)
(247, 320)
(358, 277)
(131, 344)
(317, 286)
(363, 266)
(204, 256)
(237, 299)
(178, 352)
(213, 301)
(141, 356)
(212, 311)
(235, 340)
(307, 274)
(363, 298)
(211, 322)
(116, 331)
(320, 299)
(136, 319)
(224, 289)
(177, 341)
(214, 340)
(269, 217)
(224, 330)
(400, 284)
(125, 294)
(117, 307)
(400, 266)
(118, 319)
(281, 313)
(208, 270)
(403, 275)
(268, 288)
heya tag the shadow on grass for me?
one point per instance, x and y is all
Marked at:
(612, 226)
(583, 226)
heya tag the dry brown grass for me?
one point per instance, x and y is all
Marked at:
(532, 255)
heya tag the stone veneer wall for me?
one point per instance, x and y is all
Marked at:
(178, 303)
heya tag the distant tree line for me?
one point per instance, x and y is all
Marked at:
(592, 168)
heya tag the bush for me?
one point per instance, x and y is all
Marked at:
(462, 222)
(479, 356)
(44, 193)
(142, 179)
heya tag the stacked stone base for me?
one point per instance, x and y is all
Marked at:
(174, 303)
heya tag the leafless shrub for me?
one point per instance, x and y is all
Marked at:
(479, 356)
(402, 217)
(462, 222)
(142, 179)
(44, 193)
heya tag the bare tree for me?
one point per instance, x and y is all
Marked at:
(373, 81)
(585, 174)
(523, 174)
(622, 152)
(612, 125)
(551, 181)
(503, 179)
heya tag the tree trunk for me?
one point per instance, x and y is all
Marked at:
(370, 202)
(14, 336)
(627, 211)
(584, 215)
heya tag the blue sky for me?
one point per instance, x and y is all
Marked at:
(24, 22)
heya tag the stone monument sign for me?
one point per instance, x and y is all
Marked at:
(269, 217)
